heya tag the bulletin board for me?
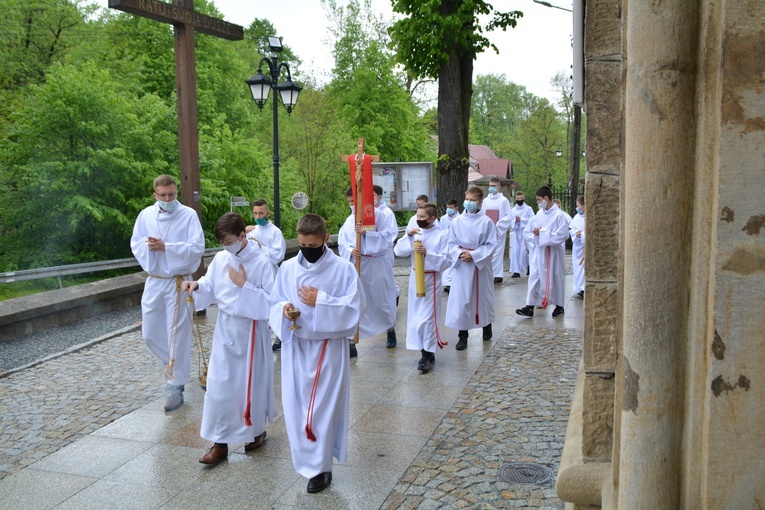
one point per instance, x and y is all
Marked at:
(402, 183)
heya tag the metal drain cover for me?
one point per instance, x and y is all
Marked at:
(525, 472)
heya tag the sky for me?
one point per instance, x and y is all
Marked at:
(529, 55)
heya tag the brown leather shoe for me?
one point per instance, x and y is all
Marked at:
(215, 455)
(259, 440)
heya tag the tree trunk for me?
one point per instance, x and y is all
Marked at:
(455, 88)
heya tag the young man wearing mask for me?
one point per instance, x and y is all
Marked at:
(520, 214)
(376, 277)
(546, 233)
(269, 237)
(423, 312)
(169, 243)
(240, 380)
(471, 241)
(421, 200)
(497, 207)
(576, 230)
(452, 211)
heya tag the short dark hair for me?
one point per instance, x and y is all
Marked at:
(229, 223)
(475, 190)
(494, 180)
(259, 202)
(422, 197)
(430, 209)
(543, 192)
(312, 225)
(349, 192)
(580, 200)
(519, 192)
(451, 201)
(378, 189)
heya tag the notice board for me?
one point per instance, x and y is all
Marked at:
(402, 183)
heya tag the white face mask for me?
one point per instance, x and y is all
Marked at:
(235, 248)
(168, 206)
(353, 209)
(543, 205)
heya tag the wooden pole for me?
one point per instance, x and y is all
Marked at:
(359, 209)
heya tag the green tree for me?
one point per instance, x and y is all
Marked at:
(79, 156)
(441, 39)
(499, 107)
(369, 90)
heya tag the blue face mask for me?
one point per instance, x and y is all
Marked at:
(492, 189)
(168, 206)
(261, 221)
(580, 211)
(470, 205)
(450, 212)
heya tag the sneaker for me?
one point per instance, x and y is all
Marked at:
(391, 339)
(526, 311)
(515, 275)
(487, 332)
(277, 346)
(558, 312)
(354, 352)
(175, 397)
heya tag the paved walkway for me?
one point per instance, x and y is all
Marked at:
(87, 430)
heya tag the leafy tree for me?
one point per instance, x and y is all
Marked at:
(78, 157)
(368, 88)
(441, 39)
(499, 107)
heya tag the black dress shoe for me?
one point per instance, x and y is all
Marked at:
(447, 288)
(320, 482)
(516, 275)
(277, 346)
(354, 352)
(526, 311)
(426, 362)
(487, 332)
(391, 339)
(581, 294)
(558, 312)
(462, 342)
(497, 279)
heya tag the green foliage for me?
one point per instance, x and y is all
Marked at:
(435, 30)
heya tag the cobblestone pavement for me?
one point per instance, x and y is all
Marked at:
(52, 404)
(514, 409)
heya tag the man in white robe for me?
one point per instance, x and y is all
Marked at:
(497, 207)
(315, 361)
(169, 243)
(576, 231)
(422, 312)
(269, 238)
(520, 214)
(547, 233)
(471, 241)
(452, 211)
(376, 278)
(240, 378)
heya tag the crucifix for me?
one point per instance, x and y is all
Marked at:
(185, 21)
(361, 168)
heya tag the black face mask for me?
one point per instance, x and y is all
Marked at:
(519, 202)
(423, 223)
(312, 254)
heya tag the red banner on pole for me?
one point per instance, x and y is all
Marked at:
(367, 211)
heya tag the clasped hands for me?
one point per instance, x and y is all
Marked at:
(155, 244)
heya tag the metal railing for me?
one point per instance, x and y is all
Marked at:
(70, 269)
(92, 267)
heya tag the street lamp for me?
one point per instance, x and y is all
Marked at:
(260, 86)
(559, 153)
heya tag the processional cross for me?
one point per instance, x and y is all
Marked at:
(185, 21)
(357, 181)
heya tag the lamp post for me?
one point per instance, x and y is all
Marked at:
(260, 87)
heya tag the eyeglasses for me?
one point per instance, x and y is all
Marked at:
(165, 196)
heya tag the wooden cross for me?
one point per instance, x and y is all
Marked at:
(360, 149)
(185, 21)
